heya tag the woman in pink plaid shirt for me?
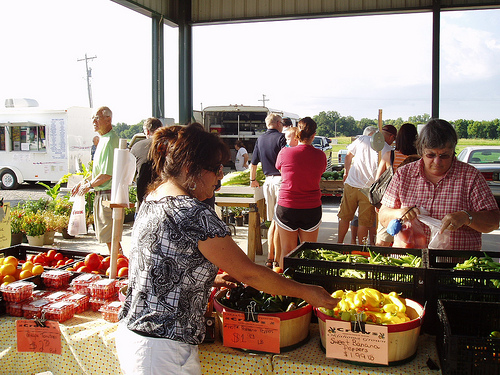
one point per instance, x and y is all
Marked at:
(452, 191)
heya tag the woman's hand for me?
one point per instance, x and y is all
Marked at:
(454, 220)
(408, 213)
(224, 280)
(319, 297)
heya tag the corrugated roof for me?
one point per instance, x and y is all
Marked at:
(229, 11)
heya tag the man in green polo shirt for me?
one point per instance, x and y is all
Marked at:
(102, 172)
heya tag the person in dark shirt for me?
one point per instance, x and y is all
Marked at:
(266, 151)
(142, 163)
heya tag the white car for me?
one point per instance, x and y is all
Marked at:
(487, 160)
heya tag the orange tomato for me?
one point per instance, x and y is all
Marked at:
(37, 269)
(11, 260)
(78, 265)
(8, 279)
(8, 269)
(121, 262)
(83, 269)
(24, 274)
(27, 266)
(122, 272)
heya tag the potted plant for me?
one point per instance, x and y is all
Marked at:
(61, 207)
(34, 226)
(132, 197)
(51, 221)
(238, 216)
(16, 226)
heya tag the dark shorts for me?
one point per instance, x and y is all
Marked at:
(293, 219)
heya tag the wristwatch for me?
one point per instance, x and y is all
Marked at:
(469, 215)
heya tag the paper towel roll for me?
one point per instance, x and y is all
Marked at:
(123, 175)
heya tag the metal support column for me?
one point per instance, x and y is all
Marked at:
(185, 63)
(436, 25)
(158, 85)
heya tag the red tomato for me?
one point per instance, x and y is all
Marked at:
(92, 261)
(60, 263)
(51, 254)
(68, 261)
(105, 263)
(58, 256)
(30, 258)
(78, 265)
(39, 259)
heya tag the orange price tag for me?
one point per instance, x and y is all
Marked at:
(262, 335)
(33, 338)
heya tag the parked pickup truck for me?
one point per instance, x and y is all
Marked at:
(323, 143)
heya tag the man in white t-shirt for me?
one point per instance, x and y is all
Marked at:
(360, 169)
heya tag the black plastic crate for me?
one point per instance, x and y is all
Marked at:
(463, 341)
(408, 281)
(443, 282)
(21, 251)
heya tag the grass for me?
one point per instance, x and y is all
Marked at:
(342, 142)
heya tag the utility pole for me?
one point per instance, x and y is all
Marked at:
(89, 75)
(263, 100)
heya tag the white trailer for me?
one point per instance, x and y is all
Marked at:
(43, 145)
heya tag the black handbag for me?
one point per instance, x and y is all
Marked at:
(378, 188)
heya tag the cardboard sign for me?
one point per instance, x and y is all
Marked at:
(5, 226)
(33, 338)
(358, 342)
(262, 335)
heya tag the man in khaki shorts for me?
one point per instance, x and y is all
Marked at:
(360, 169)
(102, 172)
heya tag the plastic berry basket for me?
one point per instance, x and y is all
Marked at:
(81, 283)
(17, 291)
(59, 311)
(104, 289)
(58, 296)
(56, 279)
(97, 303)
(110, 311)
(16, 308)
(34, 308)
(81, 301)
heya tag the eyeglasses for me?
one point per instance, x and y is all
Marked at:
(218, 171)
(432, 155)
(97, 117)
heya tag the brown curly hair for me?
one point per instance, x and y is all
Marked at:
(177, 148)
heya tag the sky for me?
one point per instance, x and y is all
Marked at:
(352, 65)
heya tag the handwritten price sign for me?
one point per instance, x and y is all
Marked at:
(33, 338)
(262, 336)
(357, 342)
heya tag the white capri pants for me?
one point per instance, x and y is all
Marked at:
(140, 355)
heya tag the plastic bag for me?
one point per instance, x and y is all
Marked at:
(438, 240)
(77, 223)
(411, 235)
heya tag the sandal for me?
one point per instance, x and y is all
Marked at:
(270, 263)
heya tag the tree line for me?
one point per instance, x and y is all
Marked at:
(332, 124)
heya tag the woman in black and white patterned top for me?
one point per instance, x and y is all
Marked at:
(178, 245)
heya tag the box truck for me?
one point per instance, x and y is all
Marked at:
(43, 145)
